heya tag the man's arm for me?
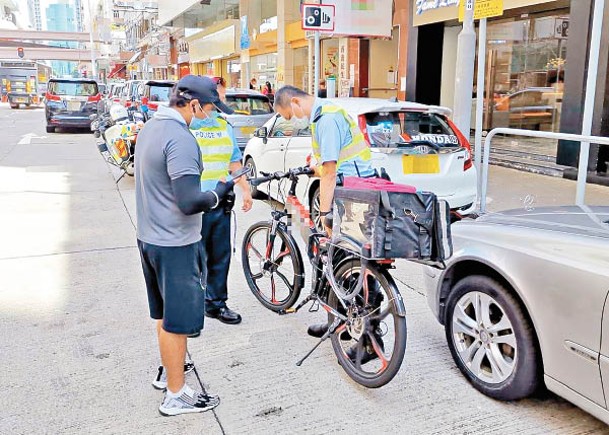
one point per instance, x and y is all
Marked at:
(327, 185)
(235, 165)
(190, 199)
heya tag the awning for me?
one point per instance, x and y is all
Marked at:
(135, 57)
(116, 70)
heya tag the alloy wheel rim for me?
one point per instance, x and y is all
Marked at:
(484, 337)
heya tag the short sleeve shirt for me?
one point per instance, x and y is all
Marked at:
(166, 150)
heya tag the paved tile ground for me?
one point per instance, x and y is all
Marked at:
(79, 350)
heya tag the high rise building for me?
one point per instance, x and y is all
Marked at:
(35, 14)
(61, 17)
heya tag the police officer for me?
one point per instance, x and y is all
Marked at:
(221, 155)
(338, 146)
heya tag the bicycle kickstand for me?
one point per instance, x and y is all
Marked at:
(330, 330)
(121, 177)
(300, 305)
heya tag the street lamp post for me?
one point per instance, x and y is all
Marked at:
(93, 66)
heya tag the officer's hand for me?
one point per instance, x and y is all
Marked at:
(247, 201)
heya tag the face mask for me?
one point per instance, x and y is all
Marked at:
(300, 123)
(208, 121)
(298, 120)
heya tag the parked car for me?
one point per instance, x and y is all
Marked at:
(116, 92)
(531, 108)
(130, 94)
(153, 93)
(70, 103)
(416, 144)
(523, 301)
(252, 110)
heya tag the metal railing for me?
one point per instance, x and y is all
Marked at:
(584, 157)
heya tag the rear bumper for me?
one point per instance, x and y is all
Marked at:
(69, 121)
(21, 98)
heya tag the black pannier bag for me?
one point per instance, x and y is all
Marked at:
(411, 225)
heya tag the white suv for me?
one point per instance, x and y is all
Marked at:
(416, 144)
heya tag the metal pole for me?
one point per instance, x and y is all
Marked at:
(584, 150)
(480, 88)
(317, 62)
(464, 79)
(93, 67)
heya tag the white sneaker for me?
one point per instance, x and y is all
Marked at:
(160, 382)
(189, 402)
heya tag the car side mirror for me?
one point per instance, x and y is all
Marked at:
(262, 133)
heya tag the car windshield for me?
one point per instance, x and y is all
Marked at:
(73, 88)
(160, 92)
(249, 105)
(390, 129)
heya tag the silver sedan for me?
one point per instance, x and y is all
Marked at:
(524, 302)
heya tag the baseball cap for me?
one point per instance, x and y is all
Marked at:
(202, 88)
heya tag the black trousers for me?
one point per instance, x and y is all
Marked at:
(216, 237)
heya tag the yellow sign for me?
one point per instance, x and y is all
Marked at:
(482, 8)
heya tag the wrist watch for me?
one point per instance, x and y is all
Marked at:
(324, 213)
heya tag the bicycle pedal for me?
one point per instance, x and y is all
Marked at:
(288, 311)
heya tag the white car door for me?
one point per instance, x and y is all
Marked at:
(273, 153)
(297, 151)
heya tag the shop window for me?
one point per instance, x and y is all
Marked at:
(525, 68)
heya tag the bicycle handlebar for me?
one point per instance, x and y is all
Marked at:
(291, 174)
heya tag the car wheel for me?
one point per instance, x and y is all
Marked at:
(491, 339)
(50, 129)
(315, 207)
(14, 106)
(256, 194)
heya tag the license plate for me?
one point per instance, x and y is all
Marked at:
(21, 100)
(73, 105)
(421, 164)
(247, 131)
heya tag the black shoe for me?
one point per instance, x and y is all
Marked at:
(369, 352)
(224, 315)
(319, 329)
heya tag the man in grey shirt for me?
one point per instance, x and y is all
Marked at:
(169, 203)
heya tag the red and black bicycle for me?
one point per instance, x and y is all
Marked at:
(366, 314)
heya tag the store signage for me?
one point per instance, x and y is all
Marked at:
(422, 6)
(482, 8)
(318, 17)
(561, 29)
(436, 11)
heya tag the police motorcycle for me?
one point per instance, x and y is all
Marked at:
(116, 131)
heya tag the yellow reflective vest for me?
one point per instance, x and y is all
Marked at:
(216, 148)
(358, 146)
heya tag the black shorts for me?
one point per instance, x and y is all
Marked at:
(173, 280)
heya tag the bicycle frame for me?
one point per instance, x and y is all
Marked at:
(313, 238)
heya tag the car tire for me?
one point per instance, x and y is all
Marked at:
(495, 345)
(14, 106)
(256, 194)
(314, 206)
(50, 129)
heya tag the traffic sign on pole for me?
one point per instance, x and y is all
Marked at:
(318, 17)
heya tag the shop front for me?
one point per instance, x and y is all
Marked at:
(525, 67)
(213, 52)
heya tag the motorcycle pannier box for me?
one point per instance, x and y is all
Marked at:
(407, 224)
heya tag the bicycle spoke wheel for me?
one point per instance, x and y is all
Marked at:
(273, 266)
(370, 345)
